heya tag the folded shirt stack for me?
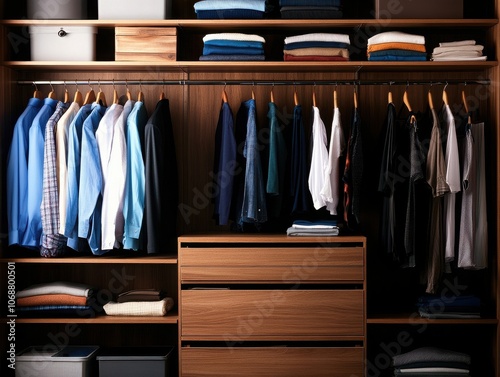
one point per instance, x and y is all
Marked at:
(140, 302)
(314, 228)
(230, 9)
(431, 361)
(233, 47)
(317, 47)
(435, 306)
(458, 50)
(57, 299)
(395, 46)
(307, 9)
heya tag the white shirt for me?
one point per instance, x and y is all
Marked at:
(331, 188)
(453, 180)
(319, 159)
(62, 129)
(112, 151)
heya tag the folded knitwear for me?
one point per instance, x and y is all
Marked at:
(141, 295)
(230, 43)
(458, 54)
(221, 50)
(316, 3)
(308, 58)
(59, 311)
(52, 299)
(432, 370)
(293, 46)
(397, 52)
(396, 46)
(259, 5)
(467, 42)
(476, 48)
(232, 58)
(70, 288)
(140, 308)
(429, 354)
(396, 36)
(230, 14)
(460, 58)
(234, 37)
(319, 224)
(397, 58)
(323, 37)
(291, 231)
(318, 51)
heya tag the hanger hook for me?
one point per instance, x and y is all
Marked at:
(51, 87)
(140, 85)
(76, 85)
(90, 85)
(113, 84)
(99, 84)
(36, 87)
(445, 86)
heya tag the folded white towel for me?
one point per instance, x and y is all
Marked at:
(319, 37)
(140, 308)
(57, 287)
(475, 48)
(468, 42)
(396, 36)
(459, 58)
(458, 54)
(234, 37)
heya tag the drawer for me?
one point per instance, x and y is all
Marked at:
(237, 315)
(278, 264)
(272, 361)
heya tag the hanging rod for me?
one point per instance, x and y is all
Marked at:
(247, 82)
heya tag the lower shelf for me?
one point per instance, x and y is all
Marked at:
(170, 318)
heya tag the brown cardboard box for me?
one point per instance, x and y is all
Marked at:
(388, 9)
(147, 44)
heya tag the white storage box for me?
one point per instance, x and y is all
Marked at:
(43, 361)
(134, 9)
(57, 9)
(63, 42)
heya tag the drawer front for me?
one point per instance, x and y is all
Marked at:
(272, 361)
(237, 315)
(285, 265)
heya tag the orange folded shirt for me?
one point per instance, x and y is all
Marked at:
(396, 46)
(55, 299)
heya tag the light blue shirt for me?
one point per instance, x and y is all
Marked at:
(33, 235)
(73, 175)
(90, 197)
(17, 173)
(133, 205)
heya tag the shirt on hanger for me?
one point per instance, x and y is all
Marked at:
(33, 234)
(319, 160)
(17, 172)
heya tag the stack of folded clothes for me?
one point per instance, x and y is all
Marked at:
(463, 306)
(313, 228)
(140, 302)
(57, 299)
(307, 9)
(396, 45)
(230, 9)
(233, 47)
(458, 50)
(431, 361)
(317, 47)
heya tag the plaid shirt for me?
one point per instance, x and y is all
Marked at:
(53, 244)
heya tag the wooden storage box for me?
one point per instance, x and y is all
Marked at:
(146, 44)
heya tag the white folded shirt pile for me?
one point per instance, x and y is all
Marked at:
(458, 50)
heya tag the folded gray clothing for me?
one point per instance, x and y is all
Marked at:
(232, 57)
(458, 49)
(57, 287)
(291, 231)
(431, 371)
(429, 354)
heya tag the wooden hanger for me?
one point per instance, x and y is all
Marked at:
(389, 97)
(36, 93)
(445, 95)
(52, 94)
(66, 96)
(78, 98)
(355, 99)
(253, 94)
(140, 95)
(101, 98)
(90, 96)
(116, 97)
(466, 107)
(295, 98)
(224, 94)
(314, 97)
(429, 98)
(406, 101)
(272, 94)
(335, 99)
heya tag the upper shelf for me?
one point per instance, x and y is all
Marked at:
(267, 23)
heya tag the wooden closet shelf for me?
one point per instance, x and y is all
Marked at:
(405, 319)
(266, 23)
(156, 259)
(170, 318)
(265, 66)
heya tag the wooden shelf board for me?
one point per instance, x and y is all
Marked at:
(263, 66)
(160, 259)
(264, 238)
(170, 318)
(408, 318)
(265, 23)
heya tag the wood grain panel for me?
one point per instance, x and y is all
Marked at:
(250, 314)
(272, 362)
